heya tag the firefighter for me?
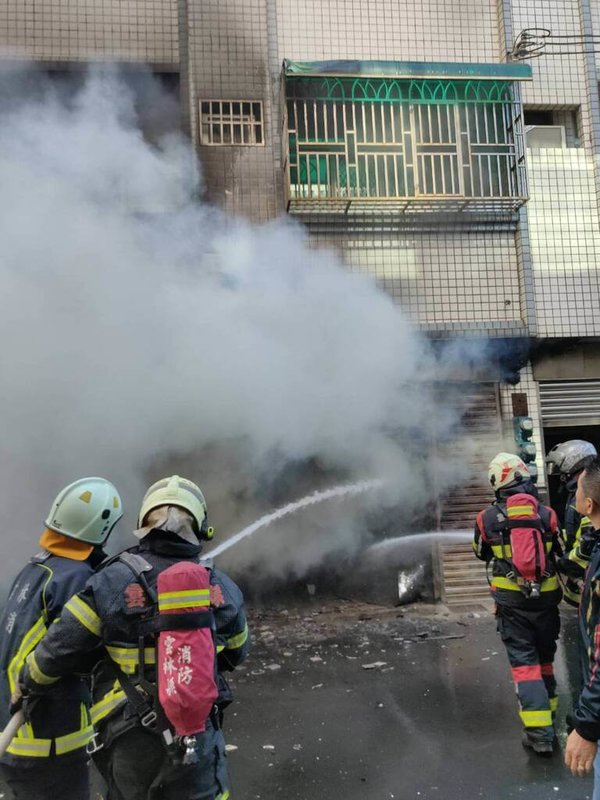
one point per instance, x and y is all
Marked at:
(47, 758)
(527, 616)
(569, 459)
(582, 744)
(131, 749)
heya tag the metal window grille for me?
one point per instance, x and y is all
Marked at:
(231, 122)
(356, 141)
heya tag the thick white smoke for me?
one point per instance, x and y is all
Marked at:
(143, 332)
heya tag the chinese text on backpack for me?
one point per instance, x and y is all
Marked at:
(186, 653)
(525, 529)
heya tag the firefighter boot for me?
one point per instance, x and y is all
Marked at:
(539, 745)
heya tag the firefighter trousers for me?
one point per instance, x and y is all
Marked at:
(48, 779)
(529, 636)
(136, 767)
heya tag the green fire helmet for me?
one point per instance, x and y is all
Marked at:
(87, 510)
(180, 492)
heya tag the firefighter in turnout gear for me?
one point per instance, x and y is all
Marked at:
(582, 744)
(528, 622)
(47, 758)
(121, 609)
(569, 459)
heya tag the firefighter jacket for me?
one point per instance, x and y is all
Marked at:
(109, 612)
(579, 538)
(59, 723)
(586, 714)
(579, 533)
(491, 543)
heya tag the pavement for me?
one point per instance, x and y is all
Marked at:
(352, 701)
(348, 701)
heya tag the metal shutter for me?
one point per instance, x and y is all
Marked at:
(565, 403)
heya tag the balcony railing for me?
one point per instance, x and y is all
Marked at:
(405, 144)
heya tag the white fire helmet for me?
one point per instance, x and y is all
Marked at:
(568, 458)
(507, 469)
(179, 492)
(87, 510)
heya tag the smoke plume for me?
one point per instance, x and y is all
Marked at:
(145, 332)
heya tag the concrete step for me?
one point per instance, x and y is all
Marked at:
(462, 577)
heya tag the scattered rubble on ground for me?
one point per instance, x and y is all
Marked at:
(305, 637)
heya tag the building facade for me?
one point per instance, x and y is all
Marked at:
(407, 137)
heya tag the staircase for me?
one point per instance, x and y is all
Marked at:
(460, 578)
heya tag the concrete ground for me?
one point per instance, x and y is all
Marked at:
(349, 701)
(356, 702)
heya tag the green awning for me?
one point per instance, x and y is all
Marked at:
(408, 69)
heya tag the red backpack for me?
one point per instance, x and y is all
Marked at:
(186, 652)
(528, 552)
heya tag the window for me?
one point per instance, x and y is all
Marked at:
(535, 117)
(231, 122)
(552, 127)
(360, 140)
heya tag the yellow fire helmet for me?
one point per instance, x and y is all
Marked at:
(180, 492)
(87, 510)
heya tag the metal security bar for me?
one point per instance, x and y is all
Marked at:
(231, 122)
(364, 141)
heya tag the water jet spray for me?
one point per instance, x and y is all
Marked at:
(291, 508)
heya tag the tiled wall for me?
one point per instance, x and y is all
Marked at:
(556, 80)
(431, 30)
(464, 278)
(76, 30)
(228, 56)
(232, 49)
(595, 16)
(564, 234)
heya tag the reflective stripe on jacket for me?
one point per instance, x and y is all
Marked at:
(491, 543)
(575, 524)
(59, 722)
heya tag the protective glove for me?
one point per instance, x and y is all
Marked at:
(16, 701)
(587, 542)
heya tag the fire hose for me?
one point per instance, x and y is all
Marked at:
(10, 731)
